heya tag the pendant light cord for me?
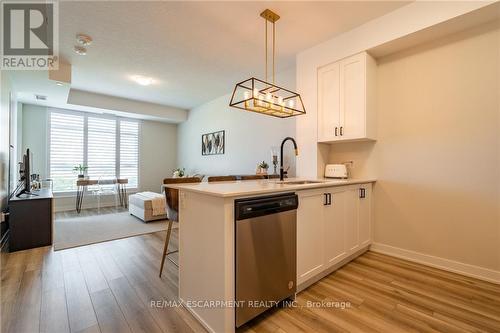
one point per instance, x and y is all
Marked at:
(273, 51)
(274, 47)
(265, 22)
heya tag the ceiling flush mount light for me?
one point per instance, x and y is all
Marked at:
(142, 80)
(263, 97)
(80, 50)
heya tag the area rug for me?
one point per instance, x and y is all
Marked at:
(78, 231)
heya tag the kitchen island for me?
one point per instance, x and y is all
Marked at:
(207, 239)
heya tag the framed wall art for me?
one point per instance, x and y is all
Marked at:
(213, 143)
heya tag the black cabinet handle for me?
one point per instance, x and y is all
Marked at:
(336, 130)
(341, 130)
(328, 199)
(362, 193)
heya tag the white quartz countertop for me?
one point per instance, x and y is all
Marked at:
(256, 187)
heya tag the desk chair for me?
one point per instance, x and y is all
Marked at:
(105, 187)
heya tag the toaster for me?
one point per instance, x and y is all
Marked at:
(336, 171)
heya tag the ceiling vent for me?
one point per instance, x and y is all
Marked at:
(40, 97)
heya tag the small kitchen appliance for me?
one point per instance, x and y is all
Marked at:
(338, 171)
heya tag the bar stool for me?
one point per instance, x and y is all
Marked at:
(172, 198)
(222, 178)
(252, 177)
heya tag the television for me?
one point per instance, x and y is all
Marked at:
(25, 173)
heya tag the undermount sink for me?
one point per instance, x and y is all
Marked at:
(302, 182)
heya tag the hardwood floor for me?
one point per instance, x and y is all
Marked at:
(390, 295)
(105, 287)
(108, 287)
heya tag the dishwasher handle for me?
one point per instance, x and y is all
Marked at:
(260, 206)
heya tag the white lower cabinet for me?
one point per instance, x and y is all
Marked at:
(351, 222)
(310, 216)
(365, 215)
(335, 228)
(332, 223)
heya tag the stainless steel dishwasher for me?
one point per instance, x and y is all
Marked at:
(266, 245)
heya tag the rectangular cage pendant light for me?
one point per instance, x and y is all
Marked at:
(259, 96)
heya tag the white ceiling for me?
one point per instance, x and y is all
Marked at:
(195, 50)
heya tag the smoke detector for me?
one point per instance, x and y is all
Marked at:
(80, 50)
(83, 39)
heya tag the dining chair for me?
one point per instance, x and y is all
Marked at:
(252, 177)
(222, 178)
(172, 199)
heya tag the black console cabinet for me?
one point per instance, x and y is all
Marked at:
(31, 220)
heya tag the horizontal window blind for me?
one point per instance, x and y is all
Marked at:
(129, 151)
(109, 147)
(101, 149)
(66, 149)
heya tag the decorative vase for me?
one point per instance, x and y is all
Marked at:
(261, 171)
(274, 159)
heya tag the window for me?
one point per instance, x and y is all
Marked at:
(108, 146)
(129, 151)
(66, 149)
(101, 148)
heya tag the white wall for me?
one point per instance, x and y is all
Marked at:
(249, 136)
(35, 137)
(8, 141)
(437, 155)
(437, 158)
(157, 152)
(402, 22)
(19, 136)
(5, 86)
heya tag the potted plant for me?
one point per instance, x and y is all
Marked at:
(81, 169)
(179, 173)
(263, 167)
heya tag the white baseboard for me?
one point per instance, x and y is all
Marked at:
(63, 204)
(197, 316)
(71, 207)
(437, 262)
(331, 269)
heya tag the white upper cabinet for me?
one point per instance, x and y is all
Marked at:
(329, 90)
(346, 106)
